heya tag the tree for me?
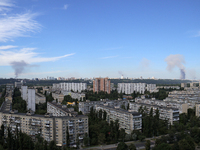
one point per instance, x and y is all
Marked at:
(147, 145)
(122, 146)
(86, 139)
(132, 147)
(104, 115)
(101, 138)
(122, 134)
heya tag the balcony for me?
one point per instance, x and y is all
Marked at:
(47, 125)
(17, 121)
(71, 125)
(80, 138)
(80, 120)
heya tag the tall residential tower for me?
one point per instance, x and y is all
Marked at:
(101, 84)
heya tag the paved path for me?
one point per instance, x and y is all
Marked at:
(138, 145)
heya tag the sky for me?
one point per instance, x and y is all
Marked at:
(99, 38)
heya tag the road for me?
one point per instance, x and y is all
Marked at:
(138, 145)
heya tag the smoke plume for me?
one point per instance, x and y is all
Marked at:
(176, 61)
(120, 72)
(19, 67)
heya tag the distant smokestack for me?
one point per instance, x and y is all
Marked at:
(176, 61)
(182, 73)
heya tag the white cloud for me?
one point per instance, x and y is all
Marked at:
(5, 5)
(14, 25)
(7, 47)
(197, 34)
(17, 26)
(65, 6)
(26, 54)
(109, 57)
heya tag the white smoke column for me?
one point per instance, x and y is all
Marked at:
(176, 60)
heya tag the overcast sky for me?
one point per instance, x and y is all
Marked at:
(92, 38)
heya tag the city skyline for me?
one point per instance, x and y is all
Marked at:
(99, 39)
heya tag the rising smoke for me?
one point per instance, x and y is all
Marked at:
(176, 61)
(19, 67)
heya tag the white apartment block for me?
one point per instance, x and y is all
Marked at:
(49, 127)
(31, 99)
(127, 120)
(171, 114)
(70, 86)
(129, 88)
(85, 107)
(151, 87)
(24, 93)
(60, 110)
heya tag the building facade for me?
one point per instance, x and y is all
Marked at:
(60, 110)
(31, 99)
(101, 84)
(85, 107)
(127, 120)
(49, 127)
(70, 86)
(166, 113)
(129, 88)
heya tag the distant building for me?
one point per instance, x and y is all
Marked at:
(101, 84)
(18, 84)
(129, 88)
(9, 87)
(70, 86)
(31, 99)
(85, 107)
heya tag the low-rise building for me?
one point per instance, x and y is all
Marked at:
(85, 107)
(58, 96)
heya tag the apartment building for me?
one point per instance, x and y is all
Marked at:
(183, 107)
(85, 107)
(57, 109)
(171, 114)
(24, 93)
(129, 88)
(31, 100)
(101, 84)
(127, 120)
(190, 96)
(70, 86)
(39, 98)
(9, 87)
(197, 112)
(49, 127)
(58, 96)
(74, 95)
(150, 87)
